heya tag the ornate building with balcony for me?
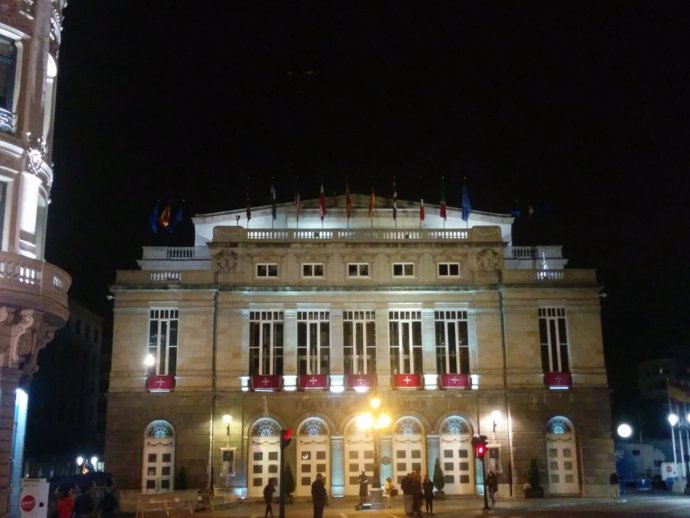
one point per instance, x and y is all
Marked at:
(293, 320)
(33, 293)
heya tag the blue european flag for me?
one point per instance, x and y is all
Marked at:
(466, 205)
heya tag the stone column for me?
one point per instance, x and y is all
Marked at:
(337, 360)
(383, 364)
(290, 341)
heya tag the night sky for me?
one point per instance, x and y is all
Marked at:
(580, 108)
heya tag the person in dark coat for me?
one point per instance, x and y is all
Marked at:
(83, 504)
(407, 489)
(428, 489)
(318, 495)
(363, 487)
(417, 495)
(268, 498)
(492, 486)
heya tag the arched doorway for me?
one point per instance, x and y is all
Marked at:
(561, 454)
(359, 455)
(158, 466)
(408, 448)
(457, 457)
(313, 455)
(264, 456)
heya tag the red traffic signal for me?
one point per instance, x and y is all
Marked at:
(285, 438)
(479, 444)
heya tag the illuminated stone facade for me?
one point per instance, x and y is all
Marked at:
(286, 323)
(33, 293)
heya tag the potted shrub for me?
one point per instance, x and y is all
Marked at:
(533, 488)
(439, 480)
(289, 481)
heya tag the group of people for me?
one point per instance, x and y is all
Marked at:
(319, 496)
(415, 491)
(81, 504)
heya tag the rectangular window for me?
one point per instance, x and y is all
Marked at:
(266, 343)
(267, 270)
(405, 341)
(554, 340)
(359, 342)
(403, 269)
(163, 324)
(313, 341)
(312, 270)
(3, 205)
(449, 269)
(8, 59)
(452, 348)
(358, 270)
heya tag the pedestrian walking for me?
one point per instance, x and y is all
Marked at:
(319, 495)
(428, 489)
(268, 497)
(417, 494)
(615, 486)
(64, 505)
(492, 486)
(107, 501)
(83, 504)
(407, 489)
(363, 488)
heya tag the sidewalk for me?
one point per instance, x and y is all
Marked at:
(247, 509)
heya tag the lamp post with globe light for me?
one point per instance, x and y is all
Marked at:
(675, 421)
(375, 420)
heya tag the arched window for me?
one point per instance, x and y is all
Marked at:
(264, 455)
(409, 453)
(313, 454)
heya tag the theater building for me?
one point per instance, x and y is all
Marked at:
(277, 322)
(33, 293)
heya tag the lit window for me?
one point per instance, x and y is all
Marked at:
(358, 270)
(359, 342)
(313, 341)
(405, 332)
(449, 270)
(312, 270)
(554, 339)
(8, 60)
(163, 325)
(266, 343)
(267, 270)
(452, 348)
(403, 269)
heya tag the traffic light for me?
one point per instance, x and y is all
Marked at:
(285, 438)
(479, 444)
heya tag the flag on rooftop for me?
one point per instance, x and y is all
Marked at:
(273, 200)
(165, 216)
(179, 217)
(249, 207)
(322, 203)
(298, 207)
(442, 211)
(348, 201)
(371, 203)
(421, 209)
(153, 217)
(395, 201)
(466, 205)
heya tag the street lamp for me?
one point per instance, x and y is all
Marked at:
(673, 420)
(374, 421)
(149, 363)
(227, 419)
(624, 430)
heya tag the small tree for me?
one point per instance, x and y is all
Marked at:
(289, 480)
(439, 478)
(181, 479)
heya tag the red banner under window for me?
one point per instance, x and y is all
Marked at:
(454, 381)
(269, 382)
(407, 381)
(312, 382)
(354, 381)
(558, 379)
(160, 383)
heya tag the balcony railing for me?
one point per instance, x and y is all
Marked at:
(33, 277)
